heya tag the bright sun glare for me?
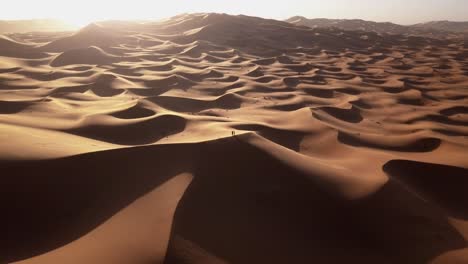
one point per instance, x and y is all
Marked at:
(78, 22)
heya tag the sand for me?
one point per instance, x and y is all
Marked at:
(431, 28)
(210, 138)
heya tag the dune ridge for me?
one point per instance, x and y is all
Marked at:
(426, 28)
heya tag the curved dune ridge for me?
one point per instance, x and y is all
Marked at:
(211, 138)
(89, 55)
(10, 47)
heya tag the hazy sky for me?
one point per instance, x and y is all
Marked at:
(85, 11)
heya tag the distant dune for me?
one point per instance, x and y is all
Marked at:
(212, 138)
(349, 24)
(381, 27)
(91, 35)
(444, 25)
(34, 25)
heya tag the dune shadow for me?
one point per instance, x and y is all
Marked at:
(182, 104)
(403, 226)
(285, 138)
(420, 145)
(136, 111)
(13, 107)
(351, 115)
(273, 214)
(47, 204)
(142, 132)
(441, 184)
(244, 206)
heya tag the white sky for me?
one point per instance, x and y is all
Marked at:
(81, 12)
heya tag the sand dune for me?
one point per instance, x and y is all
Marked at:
(445, 25)
(34, 25)
(91, 35)
(349, 24)
(427, 28)
(210, 138)
(89, 55)
(13, 48)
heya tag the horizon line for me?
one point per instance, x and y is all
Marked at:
(279, 19)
